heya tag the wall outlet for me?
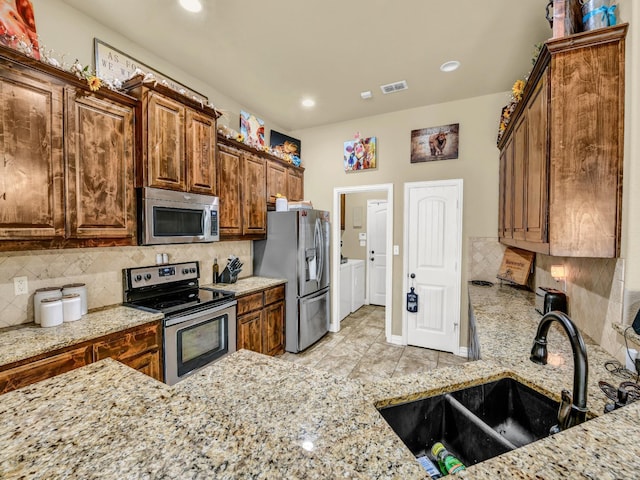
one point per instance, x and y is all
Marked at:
(21, 285)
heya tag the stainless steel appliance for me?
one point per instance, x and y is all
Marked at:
(297, 249)
(199, 326)
(166, 216)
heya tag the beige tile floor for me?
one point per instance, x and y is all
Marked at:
(360, 351)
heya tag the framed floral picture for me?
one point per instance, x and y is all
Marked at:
(18, 27)
(252, 129)
(360, 154)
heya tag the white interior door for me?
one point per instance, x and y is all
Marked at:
(433, 239)
(377, 251)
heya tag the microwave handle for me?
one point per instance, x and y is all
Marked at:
(206, 223)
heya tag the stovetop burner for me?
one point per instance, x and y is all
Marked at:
(170, 289)
(183, 300)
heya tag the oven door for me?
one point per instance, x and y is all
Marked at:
(193, 341)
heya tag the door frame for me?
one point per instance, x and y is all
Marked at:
(405, 258)
(387, 188)
(368, 247)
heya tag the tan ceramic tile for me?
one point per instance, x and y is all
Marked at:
(408, 365)
(446, 359)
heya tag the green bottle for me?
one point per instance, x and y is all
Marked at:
(215, 271)
(446, 461)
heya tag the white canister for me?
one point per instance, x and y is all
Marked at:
(71, 307)
(80, 289)
(51, 313)
(41, 294)
(281, 204)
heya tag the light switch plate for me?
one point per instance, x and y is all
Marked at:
(363, 243)
(362, 236)
(396, 249)
(20, 285)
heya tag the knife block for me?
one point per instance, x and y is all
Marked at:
(226, 277)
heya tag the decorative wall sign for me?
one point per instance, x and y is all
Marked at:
(360, 154)
(113, 64)
(284, 144)
(435, 143)
(18, 27)
(252, 129)
(516, 265)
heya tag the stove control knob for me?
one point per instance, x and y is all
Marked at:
(147, 276)
(138, 278)
(192, 270)
(185, 271)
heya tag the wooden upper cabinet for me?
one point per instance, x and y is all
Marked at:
(285, 180)
(68, 156)
(587, 145)
(562, 153)
(254, 213)
(276, 180)
(229, 191)
(31, 170)
(178, 137)
(242, 189)
(201, 153)
(295, 184)
(537, 186)
(519, 180)
(506, 191)
(100, 181)
(165, 143)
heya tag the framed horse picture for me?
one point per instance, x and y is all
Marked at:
(435, 143)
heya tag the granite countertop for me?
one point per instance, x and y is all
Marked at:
(250, 416)
(28, 340)
(245, 286)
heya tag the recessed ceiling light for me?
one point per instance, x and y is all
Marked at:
(366, 95)
(450, 66)
(191, 5)
(308, 102)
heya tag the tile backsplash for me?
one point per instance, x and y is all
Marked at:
(101, 270)
(594, 286)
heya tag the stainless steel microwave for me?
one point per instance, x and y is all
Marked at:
(166, 216)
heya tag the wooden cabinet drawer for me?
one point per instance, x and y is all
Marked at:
(249, 303)
(274, 294)
(147, 363)
(33, 372)
(127, 345)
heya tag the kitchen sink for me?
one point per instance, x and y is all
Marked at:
(475, 423)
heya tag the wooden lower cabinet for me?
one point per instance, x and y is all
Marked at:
(250, 331)
(26, 374)
(136, 348)
(261, 321)
(139, 348)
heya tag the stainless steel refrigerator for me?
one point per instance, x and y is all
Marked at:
(297, 249)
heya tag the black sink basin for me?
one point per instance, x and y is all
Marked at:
(475, 423)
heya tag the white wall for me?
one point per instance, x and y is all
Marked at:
(70, 33)
(477, 165)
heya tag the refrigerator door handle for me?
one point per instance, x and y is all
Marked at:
(319, 242)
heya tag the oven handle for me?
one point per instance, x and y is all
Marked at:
(168, 322)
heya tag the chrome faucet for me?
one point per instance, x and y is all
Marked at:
(572, 411)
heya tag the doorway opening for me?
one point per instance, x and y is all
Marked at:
(381, 191)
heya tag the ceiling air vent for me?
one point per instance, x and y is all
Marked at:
(394, 87)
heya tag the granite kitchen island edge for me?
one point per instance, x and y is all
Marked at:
(253, 415)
